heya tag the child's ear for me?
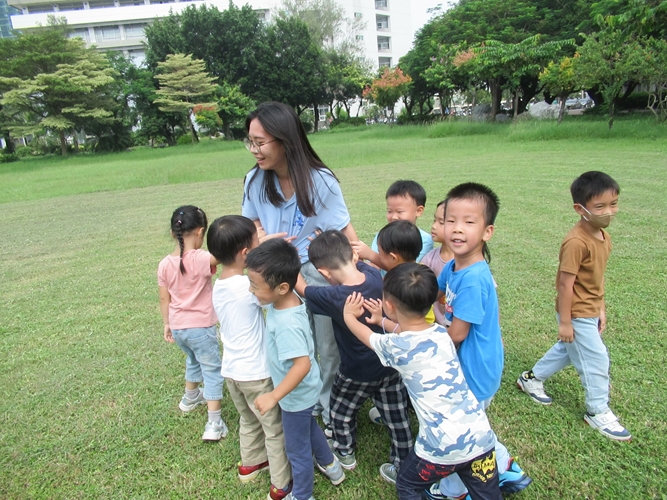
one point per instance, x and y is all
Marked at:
(420, 210)
(355, 257)
(395, 258)
(578, 208)
(325, 273)
(200, 232)
(283, 288)
(488, 232)
(388, 307)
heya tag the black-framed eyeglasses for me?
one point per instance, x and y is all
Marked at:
(250, 145)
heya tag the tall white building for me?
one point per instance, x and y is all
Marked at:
(119, 24)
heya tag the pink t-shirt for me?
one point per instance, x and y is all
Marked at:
(433, 260)
(191, 304)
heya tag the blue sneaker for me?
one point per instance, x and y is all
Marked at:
(513, 479)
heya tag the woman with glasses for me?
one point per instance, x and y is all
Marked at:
(290, 190)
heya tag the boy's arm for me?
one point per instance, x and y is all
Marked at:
(366, 253)
(300, 286)
(602, 323)
(565, 293)
(458, 330)
(354, 307)
(294, 376)
(165, 299)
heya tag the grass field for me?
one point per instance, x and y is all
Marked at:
(89, 390)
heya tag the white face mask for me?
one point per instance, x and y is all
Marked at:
(598, 221)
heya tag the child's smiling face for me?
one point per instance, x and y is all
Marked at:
(261, 289)
(438, 227)
(403, 208)
(465, 227)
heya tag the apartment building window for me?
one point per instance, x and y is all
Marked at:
(104, 33)
(70, 6)
(358, 15)
(383, 43)
(382, 22)
(129, 3)
(384, 62)
(100, 4)
(381, 4)
(359, 37)
(134, 30)
(40, 7)
(82, 33)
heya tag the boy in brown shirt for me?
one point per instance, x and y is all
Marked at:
(580, 305)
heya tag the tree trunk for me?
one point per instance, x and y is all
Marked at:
(516, 103)
(193, 132)
(76, 142)
(496, 96)
(611, 114)
(561, 109)
(9, 143)
(63, 142)
(228, 131)
(316, 114)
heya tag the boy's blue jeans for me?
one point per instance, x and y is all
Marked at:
(304, 439)
(202, 361)
(590, 358)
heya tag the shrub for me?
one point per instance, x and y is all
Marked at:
(25, 151)
(184, 140)
(9, 158)
(348, 122)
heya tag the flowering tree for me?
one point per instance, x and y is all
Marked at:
(389, 88)
(560, 79)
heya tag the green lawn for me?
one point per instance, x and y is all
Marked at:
(90, 389)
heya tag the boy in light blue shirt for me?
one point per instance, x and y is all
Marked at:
(273, 269)
(405, 201)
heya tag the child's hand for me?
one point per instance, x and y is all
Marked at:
(374, 306)
(354, 305)
(265, 236)
(363, 251)
(565, 332)
(167, 334)
(265, 402)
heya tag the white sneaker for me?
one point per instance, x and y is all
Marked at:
(533, 387)
(214, 432)
(333, 471)
(608, 425)
(186, 405)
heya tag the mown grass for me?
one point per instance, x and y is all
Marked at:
(89, 389)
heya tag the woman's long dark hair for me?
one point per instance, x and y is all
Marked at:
(283, 124)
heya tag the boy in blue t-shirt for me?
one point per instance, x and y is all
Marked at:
(454, 433)
(405, 201)
(273, 268)
(360, 375)
(468, 292)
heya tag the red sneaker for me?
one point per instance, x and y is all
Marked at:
(250, 472)
(277, 494)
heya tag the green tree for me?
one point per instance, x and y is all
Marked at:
(654, 73)
(607, 60)
(63, 100)
(560, 79)
(346, 78)
(388, 88)
(184, 84)
(233, 107)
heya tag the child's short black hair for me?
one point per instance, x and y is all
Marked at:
(228, 235)
(413, 288)
(477, 192)
(590, 184)
(409, 189)
(401, 237)
(276, 261)
(330, 250)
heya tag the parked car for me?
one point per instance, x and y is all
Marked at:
(572, 103)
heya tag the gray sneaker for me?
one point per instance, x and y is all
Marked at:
(188, 405)
(374, 416)
(214, 432)
(334, 471)
(347, 461)
(533, 387)
(389, 473)
(608, 425)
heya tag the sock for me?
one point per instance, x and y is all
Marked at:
(214, 416)
(192, 394)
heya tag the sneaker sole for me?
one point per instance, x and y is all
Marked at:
(610, 436)
(516, 486)
(334, 482)
(187, 409)
(349, 467)
(249, 477)
(522, 389)
(215, 436)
